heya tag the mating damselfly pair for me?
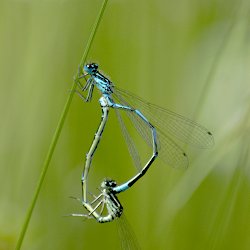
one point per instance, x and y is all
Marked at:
(154, 124)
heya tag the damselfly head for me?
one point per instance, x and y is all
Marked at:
(91, 68)
(108, 183)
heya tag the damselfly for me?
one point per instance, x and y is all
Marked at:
(155, 125)
(106, 199)
(106, 207)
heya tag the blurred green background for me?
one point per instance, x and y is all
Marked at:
(189, 56)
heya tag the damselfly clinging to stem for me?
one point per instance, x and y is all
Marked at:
(153, 123)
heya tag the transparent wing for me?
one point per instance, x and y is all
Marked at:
(138, 123)
(169, 122)
(131, 145)
(127, 236)
(171, 153)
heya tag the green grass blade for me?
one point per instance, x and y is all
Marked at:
(58, 132)
(93, 32)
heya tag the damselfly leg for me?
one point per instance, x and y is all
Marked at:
(88, 85)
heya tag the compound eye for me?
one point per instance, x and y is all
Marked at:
(113, 184)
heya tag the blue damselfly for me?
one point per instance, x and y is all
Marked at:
(156, 125)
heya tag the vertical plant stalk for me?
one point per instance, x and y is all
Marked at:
(58, 132)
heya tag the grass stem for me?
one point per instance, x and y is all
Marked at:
(58, 132)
